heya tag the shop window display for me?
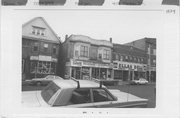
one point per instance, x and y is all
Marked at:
(43, 67)
(85, 73)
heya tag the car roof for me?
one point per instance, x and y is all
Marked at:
(74, 84)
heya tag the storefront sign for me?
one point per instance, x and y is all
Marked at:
(76, 63)
(34, 58)
(44, 58)
(129, 66)
(90, 64)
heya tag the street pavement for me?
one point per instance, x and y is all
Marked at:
(144, 91)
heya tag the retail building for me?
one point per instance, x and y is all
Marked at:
(40, 46)
(87, 57)
(129, 62)
(149, 46)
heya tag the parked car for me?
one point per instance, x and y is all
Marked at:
(139, 81)
(45, 80)
(79, 94)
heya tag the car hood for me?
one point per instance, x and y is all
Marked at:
(126, 97)
(33, 99)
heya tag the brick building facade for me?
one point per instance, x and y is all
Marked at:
(129, 62)
(40, 46)
(149, 46)
(88, 58)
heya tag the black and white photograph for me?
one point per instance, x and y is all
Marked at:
(112, 69)
(90, 60)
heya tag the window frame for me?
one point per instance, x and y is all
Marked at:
(106, 54)
(113, 98)
(84, 51)
(35, 45)
(54, 50)
(90, 97)
(45, 48)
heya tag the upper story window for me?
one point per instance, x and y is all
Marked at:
(121, 58)
(45, 47)
(38, 31)
(35, 47)
(106, 54)
(84, 51)
(138, 60)
(126, 57)
(54, 50)
(130, 58)
(100, 56)
(76, 53)
(142, 60)
(117, 56)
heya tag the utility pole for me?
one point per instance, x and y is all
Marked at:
(149, 52)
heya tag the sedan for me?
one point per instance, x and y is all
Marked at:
(45, 80)
(80, 94)
(140, 81)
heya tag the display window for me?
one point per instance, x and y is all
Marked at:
(43, 67)
(85, 73)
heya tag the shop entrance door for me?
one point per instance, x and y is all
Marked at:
(76, 72)
(125, 75)
(85, 73)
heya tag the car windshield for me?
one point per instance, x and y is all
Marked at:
(49, 77)
(49, 91)
(57, 77)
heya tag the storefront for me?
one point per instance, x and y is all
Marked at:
(151, 74)
(89, 69)
(41, 66)
(128, 71)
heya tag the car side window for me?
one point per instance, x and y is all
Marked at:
(101, 95)
(80, 96)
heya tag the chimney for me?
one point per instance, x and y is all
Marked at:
(66, 37)
(110, 39)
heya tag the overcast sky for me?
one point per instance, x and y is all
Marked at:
(122, 26)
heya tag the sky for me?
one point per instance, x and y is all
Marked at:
(122, 26)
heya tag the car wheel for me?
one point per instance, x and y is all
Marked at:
(38, 83)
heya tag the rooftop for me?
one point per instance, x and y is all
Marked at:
(73, 84)
(124, 49)
(90, 40)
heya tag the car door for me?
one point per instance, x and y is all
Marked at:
(102, 98)
(80, 98)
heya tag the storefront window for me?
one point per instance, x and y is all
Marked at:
(96, 73)
(109, 73)
(118, 74)
(85, 73)
(75, 73)
(43, 67)
(103, 73)
(33, 67)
